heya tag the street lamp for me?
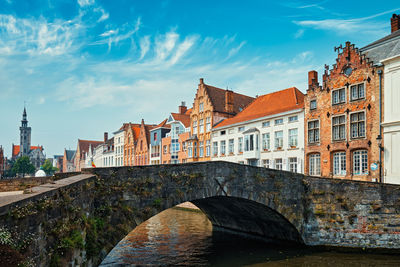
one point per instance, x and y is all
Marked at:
(379, 141)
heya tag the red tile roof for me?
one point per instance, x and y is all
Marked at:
(268, 104)
(184, 118)
(162, 124)
(16, 149)
(217, 97)
(84, 145)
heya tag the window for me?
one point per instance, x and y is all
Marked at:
(190, 150)
(278, 121)
(293, 118)
(241, 129)
(315, 164)
(231, 146)
(278, 164)
(223, 132)
(240, 142)
(265, 163)
(208, 148)
(357, 91)
(357, 124)
(313, 104)
(183, 146)
(278, 139)
(195, 150)
(339, 96)
(215, 149)
(177, 130)
(293, 137)
(195, 127)
(201, 149)
(313, 132)
(249, 142)
(339, 163)
(293, 164)
(201, 126)
(155, 136)
(339, 127)
(265, 141)
(265, 124)
(231, 131)
(223, 147)
(201, 107)
(360, 162)
(208, 124)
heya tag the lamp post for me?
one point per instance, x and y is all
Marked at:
(379, 141)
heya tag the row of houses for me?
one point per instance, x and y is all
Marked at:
(346, 126)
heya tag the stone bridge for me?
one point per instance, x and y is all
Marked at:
(80, 219)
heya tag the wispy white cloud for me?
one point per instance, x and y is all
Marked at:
(363, 25)
(84, 3)
(235, 50)
(104, 15)
(299, 33)
(144, 46)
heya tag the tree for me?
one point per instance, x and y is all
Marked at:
(23, 166)
(48, 168)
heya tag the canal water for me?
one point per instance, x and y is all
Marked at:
(181, 237)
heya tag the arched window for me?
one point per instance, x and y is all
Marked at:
(314, 164)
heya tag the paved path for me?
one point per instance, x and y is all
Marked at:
(40, 189)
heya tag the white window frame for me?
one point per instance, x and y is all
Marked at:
(311, 105)
(314, 167)
(208, 148)
(223, 147)
(266, 141)
(358, 123)
(358, 92)
(278, 121)
(293, 164)
(358, 157)
(293, 138)
(344, 124)
(293, 118)
(315, 141)
(231, 146)
(339, 163)
(338, 90)
(240, 144)
(278, 141)
(278, 164)
(215, 149)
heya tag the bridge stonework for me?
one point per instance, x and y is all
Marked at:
(80, 219)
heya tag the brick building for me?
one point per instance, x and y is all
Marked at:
(81, 152)
(142, 147)
(342, 118)
(131, 135)
(210, 106)
(68, 161)
(174, 144)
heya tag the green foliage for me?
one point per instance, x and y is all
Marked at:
(48, 167)
(74, 240)
(6, 238)
(93, 227)
(23, 166)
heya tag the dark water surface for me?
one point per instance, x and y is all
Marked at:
(181, 237)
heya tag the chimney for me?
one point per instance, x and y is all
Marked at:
(105, 137)
(201, 81)
(182, 108)
(312, 79)
(228, 101)
(395, 22)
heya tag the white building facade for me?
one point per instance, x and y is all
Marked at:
(275, 141)
(119, 137)
(391, 121)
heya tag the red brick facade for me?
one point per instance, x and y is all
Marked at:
(142, 149)
(342, 119)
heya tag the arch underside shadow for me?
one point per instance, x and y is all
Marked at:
(249, 217)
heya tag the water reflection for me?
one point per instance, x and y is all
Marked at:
(181, 237)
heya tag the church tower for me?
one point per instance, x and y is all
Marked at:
(25, 136)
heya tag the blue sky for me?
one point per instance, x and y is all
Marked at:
(84, 67)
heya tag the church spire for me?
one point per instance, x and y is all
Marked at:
(24, 119)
